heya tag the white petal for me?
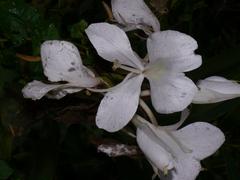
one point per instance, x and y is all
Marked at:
(186, 168)
(37, 89)
(172, 93)
(173, 50)
(166, 151)
(215, 89)
(112, 44)
(217, 79)
(202, 138)
(155, 153)
(134, 13)
(118, 106)
(205, 96)
(62, 62)
(220, 84)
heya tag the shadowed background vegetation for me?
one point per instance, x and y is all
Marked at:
(57, 139)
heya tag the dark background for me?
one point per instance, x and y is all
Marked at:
(57, 139)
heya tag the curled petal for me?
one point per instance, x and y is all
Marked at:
(62, 62)
(176, 155)
(36, 90)
(134, 14)
(171, 93)
(215, 89)
(167, 153)
(202, 138)
(112, 44)
(119, 105)
(155, 153)
(173, 50)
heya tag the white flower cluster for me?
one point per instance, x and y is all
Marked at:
(174, 153)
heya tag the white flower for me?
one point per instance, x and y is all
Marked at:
(61, 62)
(134, 14)
(170, 54)
(176, 154)
(215, 89)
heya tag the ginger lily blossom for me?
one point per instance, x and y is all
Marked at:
(61, 62)
(170, 54)
(134, 14)
(176, 154)
(215, 89)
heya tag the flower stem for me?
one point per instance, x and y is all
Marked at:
(108, 11)
(129, 133)
(137, 120)
(145, 93)
(98, 90)
(148, 111)
(146, 58)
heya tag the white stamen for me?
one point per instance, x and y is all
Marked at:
(112, 88)
(117, 65)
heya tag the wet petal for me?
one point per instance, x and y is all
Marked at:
(36, 89)
(173, 50)
(62, 62)
(134, 13)
(202, 138)
(119, 105)
(171, 93)
(112, 44)
(215, 89)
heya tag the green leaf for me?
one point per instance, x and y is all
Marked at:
(6, 143)
(21, 22)
(77, 30)
(232, 165)
(5, 170)
(6, 76)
